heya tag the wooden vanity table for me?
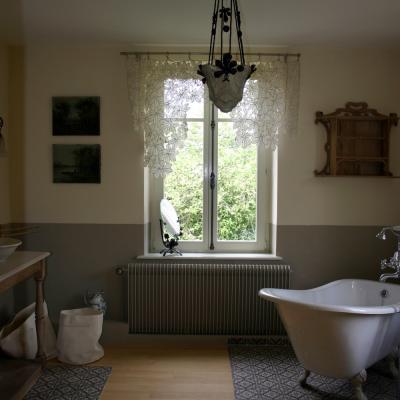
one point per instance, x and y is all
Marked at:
(18, 376)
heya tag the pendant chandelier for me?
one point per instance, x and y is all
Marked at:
(226, 77)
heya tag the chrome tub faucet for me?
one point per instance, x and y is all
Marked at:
(393, 262)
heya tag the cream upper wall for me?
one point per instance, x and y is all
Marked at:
(81, 71)
(330, 77)
(4, 170)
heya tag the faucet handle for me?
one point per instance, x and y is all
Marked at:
(387, 263)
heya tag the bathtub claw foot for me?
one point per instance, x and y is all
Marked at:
(304, 377)
(357, 382)
(391, 360)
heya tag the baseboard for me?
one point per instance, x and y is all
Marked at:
(117, 333)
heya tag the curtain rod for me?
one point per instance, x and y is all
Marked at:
(199, 53)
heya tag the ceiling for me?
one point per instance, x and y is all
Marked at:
(187, 22)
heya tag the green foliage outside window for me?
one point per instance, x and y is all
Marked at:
(184, 185)
(237, 186)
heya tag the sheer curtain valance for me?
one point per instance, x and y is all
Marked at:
(161, 92)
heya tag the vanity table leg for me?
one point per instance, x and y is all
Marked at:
(39, 278)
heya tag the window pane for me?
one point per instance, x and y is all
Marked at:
(184, 185)
(237, 187)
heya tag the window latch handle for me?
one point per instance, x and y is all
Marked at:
(212, 181)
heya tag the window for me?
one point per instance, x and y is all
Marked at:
(235, 216)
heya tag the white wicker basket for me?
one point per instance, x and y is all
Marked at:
(78, 336)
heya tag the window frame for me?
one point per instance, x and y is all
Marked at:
(264, 213)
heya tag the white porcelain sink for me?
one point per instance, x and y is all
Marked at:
(7, 247)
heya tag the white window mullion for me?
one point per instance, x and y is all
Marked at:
(215, 167)
(264, 163)
(207, 172)
(157, 193)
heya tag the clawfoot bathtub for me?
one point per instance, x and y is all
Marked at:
(341, 328)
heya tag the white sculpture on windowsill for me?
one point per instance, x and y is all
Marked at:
(170, 228)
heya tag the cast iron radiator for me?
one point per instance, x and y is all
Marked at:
(203, 299)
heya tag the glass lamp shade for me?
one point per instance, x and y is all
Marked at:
(225, 94)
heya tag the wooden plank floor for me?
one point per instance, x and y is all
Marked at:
(168, 371)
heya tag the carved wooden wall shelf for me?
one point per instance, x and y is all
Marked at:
(357, 141)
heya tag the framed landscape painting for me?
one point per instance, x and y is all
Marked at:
(76, 163)
(76, 116)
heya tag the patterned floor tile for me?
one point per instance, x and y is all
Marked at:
(70, 383)
(262, 372)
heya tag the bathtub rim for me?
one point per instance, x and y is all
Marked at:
(275, 295)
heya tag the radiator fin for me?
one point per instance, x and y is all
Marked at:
(204, 299)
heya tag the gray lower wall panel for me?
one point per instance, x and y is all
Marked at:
(83, 256)
(320, 254)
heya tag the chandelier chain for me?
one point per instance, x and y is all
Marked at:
(239, 32)
(213, 32)
(230, 30)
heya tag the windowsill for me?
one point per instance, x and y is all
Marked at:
(212, 256)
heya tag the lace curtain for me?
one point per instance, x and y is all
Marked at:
(270, 104)
(161, 92)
